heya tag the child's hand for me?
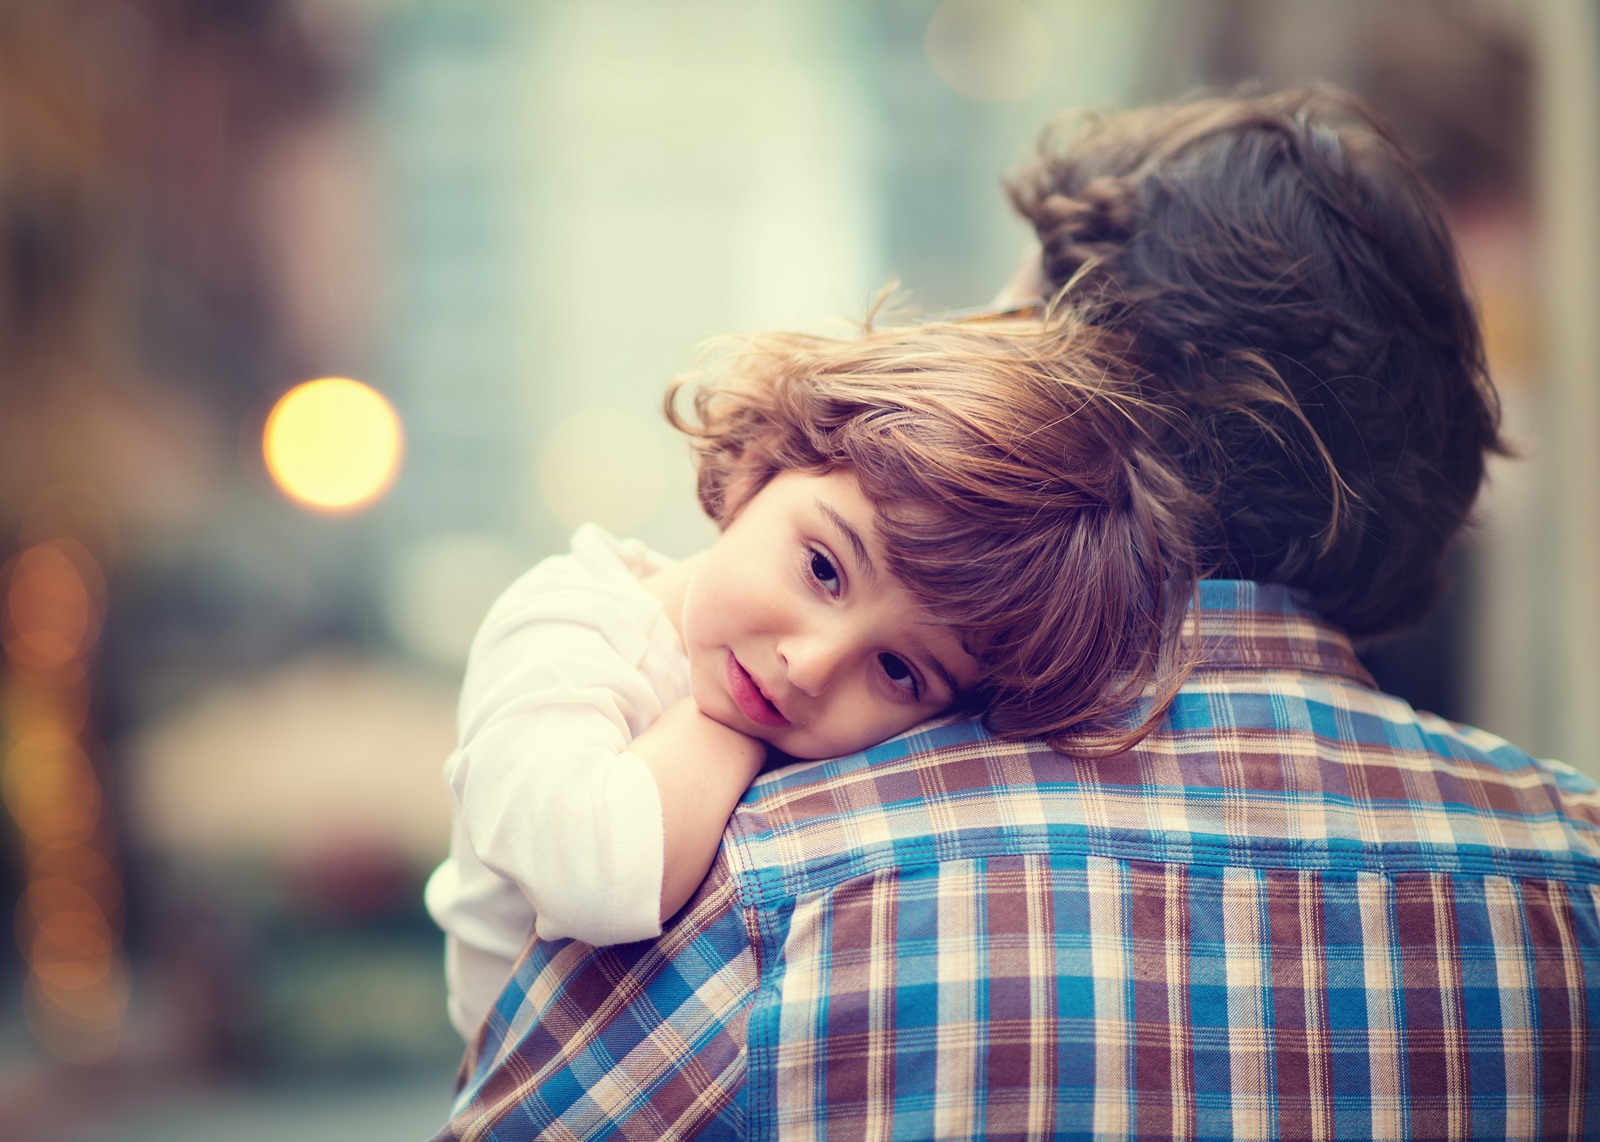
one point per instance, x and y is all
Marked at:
(684, 725)
(701, 768)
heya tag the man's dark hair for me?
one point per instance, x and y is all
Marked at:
(1288, 280)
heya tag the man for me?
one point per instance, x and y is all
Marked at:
(1298, 908)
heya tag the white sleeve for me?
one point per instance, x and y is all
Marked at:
(549, 798)
(547, 794)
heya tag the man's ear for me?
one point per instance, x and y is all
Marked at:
(1027, 281)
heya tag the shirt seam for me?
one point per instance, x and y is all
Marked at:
(760, 888)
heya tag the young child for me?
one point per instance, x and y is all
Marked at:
(952, 516)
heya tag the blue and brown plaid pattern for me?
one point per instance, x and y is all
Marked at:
(1299, 910)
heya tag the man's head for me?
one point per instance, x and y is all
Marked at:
(1016, 489)
(1288, 283)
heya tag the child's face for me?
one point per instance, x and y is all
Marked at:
(798, 634)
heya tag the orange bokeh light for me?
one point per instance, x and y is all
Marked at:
(65, 877)
(51, 789)
(72, 950)
(78, 1024)
(52, 611)
(57, 700)
(68, 921)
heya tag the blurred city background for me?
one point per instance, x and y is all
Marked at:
(230, 666)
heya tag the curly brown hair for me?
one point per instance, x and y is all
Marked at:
(1291, 289)
(1019, 495)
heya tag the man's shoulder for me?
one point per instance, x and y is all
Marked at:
(949, 791)
(1264, 766)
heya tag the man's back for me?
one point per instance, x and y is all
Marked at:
(1297, 910)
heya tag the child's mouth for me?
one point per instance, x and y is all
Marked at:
(749, 698)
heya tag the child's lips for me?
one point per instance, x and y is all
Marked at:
(751, 701)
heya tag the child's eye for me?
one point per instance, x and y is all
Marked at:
(824, 572)
(900, 674)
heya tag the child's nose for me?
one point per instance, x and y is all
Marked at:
(812, 661)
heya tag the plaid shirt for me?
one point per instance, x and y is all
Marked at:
(1298, 910)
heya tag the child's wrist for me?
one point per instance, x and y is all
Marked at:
(720, 737)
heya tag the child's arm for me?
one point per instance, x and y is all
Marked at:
(701, 768)
(557, 826)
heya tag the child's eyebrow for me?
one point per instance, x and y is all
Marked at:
(868, 568)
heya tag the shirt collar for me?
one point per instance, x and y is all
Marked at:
(1261, 626)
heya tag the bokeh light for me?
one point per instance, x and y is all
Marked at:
(605, 466)
(333, 444)
(51, 789)
(439, 588)
(52, 604)
(992, 51)
(68, 922)
(57, 698)
(79, 1024)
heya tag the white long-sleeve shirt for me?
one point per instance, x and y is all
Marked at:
(557, 825)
